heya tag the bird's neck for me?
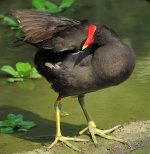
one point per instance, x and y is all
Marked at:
(108, 36)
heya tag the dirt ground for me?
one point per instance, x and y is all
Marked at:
(137, 134)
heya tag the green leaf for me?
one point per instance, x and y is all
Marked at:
(10, 70)
(65, 4)
(8, 130)
(2, 124)
(39, 4)
(27, 124)
(51, 7)
(9, 21)
(34, 74)
(11, 116)
(5, 123)
(19, 117)
(15, 122)
(15, 80)
(9, 123)
(23, 69)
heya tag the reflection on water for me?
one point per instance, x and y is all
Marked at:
(143, 71)
(34, 99)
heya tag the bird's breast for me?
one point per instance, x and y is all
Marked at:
(114, 66)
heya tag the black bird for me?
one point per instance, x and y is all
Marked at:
(76, 57)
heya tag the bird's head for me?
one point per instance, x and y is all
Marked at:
(100, 35)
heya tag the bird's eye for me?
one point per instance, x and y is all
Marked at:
(98, 32)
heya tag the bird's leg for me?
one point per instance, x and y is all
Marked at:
(59, 136)
(93, 130)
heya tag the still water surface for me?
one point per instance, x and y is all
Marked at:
(34, 99)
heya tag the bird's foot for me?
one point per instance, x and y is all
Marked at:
(65, 141)
(103, 133)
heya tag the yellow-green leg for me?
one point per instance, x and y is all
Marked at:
(59, 136)
(93, 130)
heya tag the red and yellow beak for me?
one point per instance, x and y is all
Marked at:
(90, 36)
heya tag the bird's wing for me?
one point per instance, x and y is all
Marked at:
(39, 26)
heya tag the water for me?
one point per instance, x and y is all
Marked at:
(34, 99)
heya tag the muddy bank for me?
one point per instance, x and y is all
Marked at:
(135, 133)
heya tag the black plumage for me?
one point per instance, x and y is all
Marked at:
(106, 62)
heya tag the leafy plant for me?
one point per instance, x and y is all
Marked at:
(15, 123)
(48, 6)
(12, 23)
(23, 70)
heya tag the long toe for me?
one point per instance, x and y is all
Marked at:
(65, 141)
(93, 131)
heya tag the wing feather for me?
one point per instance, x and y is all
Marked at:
(39, 26)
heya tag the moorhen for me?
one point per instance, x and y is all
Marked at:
(76, 57)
